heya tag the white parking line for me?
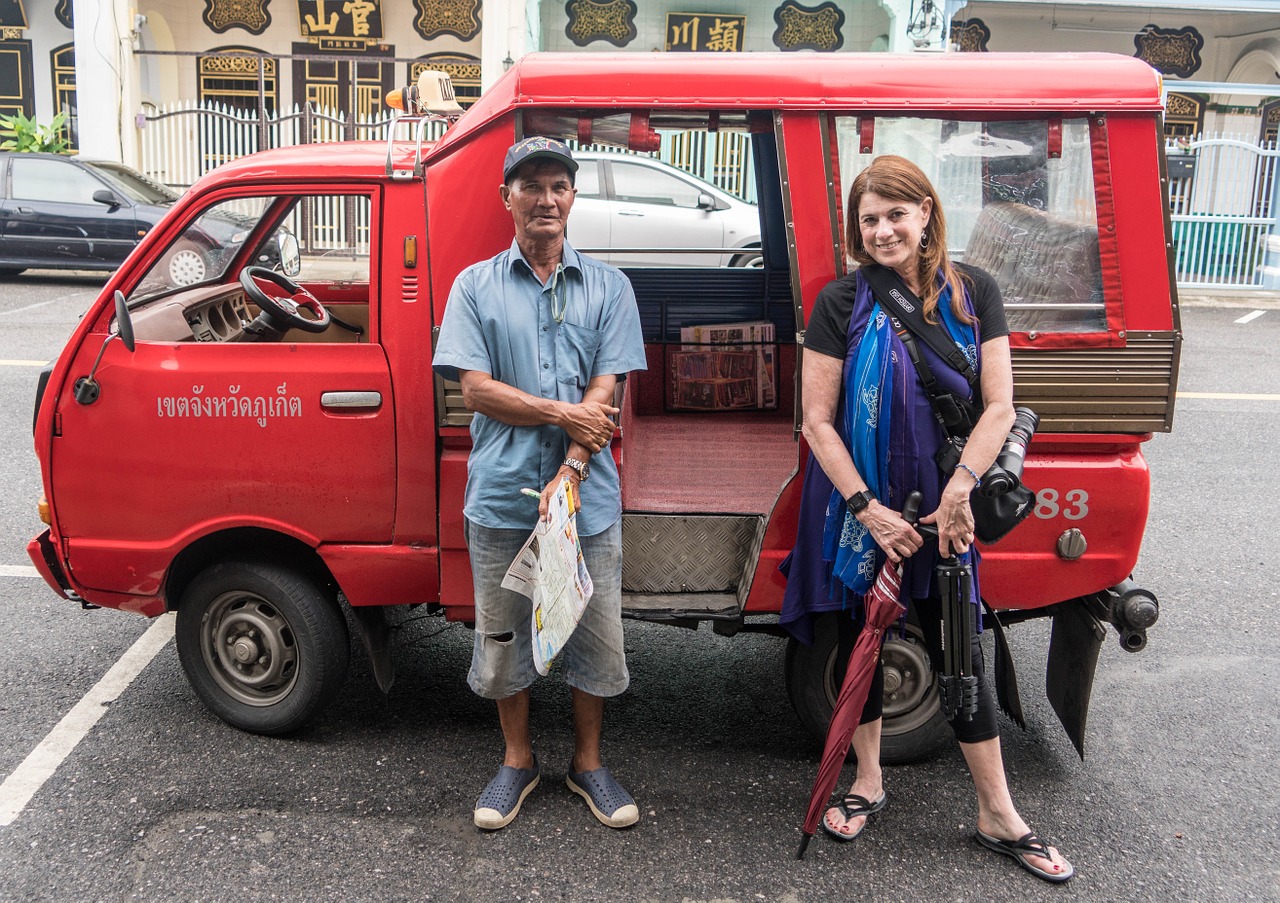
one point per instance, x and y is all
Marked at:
(27, 779)
(14, 363)
(18, 570)
(1249, 318)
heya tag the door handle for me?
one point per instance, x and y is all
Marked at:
(347, 401)
(630, 213)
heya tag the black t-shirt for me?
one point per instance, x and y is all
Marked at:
(827, 331)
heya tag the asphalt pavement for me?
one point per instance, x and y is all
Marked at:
(1175, 801)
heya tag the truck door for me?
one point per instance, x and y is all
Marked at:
(202, 430)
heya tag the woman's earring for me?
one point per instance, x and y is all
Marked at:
(924, 240)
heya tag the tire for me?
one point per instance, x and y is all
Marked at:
(913, 724)
(263, 647)
(186, 264)
(753, 260)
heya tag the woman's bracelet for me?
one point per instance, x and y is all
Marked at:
(977, 480)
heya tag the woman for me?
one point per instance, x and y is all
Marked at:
(872, 429)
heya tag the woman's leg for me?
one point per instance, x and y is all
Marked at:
(997, 816)
(869, 781)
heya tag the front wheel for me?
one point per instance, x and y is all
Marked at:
(186, 264)
(263, 646)
(913, 724)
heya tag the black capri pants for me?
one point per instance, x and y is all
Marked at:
(929, 613)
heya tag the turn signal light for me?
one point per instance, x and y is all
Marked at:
(432, 94)
(43, 507)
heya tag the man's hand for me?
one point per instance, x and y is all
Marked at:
(544, 503)
(588, 423)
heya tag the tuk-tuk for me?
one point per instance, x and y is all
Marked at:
(263, 451)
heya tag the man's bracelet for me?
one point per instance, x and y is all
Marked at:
(977, 480)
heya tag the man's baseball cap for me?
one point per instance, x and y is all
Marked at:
(537, 148)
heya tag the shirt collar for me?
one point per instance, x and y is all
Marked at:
(571, 259)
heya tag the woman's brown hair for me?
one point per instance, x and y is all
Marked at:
(898, 179)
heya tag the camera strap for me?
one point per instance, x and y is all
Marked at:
(903, 305)
(905, 312)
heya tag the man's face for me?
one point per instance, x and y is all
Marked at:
(539, 198)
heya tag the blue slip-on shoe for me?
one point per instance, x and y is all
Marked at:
(608, 801)
(501, 800)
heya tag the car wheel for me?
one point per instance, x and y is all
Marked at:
(753, 260)
(186, 264)
(913, 724)
(263, 647)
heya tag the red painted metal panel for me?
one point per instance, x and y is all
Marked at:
(1136, 150)
(385, 575)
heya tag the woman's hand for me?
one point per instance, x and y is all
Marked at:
(891, 532)
(954, 518)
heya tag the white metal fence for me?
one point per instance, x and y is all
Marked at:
(1224, 201)
(183, 141)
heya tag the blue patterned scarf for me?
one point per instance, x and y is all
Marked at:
(868, 421)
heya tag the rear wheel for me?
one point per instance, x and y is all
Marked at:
(263, 646)
(913, 724)
(752, 259)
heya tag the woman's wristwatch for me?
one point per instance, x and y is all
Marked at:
(858, 502)
(581, 468)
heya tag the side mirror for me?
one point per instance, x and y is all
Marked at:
(290, 253)
(124, 322)
(87, 389)
(706, 202)
(108, 197)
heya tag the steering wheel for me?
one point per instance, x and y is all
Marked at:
(283, 312)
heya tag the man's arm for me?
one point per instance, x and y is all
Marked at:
(588, 422)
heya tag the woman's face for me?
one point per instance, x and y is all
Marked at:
(891, 229)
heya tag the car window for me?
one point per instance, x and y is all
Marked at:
(588, 179)
(54, 181)
(134, 185)
(639, 184)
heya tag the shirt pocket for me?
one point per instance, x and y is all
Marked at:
(576, 348)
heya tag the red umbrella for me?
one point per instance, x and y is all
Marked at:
(882, 608)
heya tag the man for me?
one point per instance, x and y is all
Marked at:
(539, 337)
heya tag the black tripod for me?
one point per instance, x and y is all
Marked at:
(957, 683)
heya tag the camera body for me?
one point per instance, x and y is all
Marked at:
(1005, 473)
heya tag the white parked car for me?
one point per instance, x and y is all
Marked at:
(670, 218)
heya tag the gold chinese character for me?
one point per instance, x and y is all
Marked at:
(685, 34)
(317, 23)
(723, 36)
(360, 11)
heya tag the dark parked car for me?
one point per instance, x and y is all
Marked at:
(68, 213)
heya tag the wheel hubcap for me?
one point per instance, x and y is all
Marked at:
(186, 267)
(250, 649)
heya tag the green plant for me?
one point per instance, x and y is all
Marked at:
(25, 134)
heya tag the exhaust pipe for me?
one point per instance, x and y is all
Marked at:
(1132, 610)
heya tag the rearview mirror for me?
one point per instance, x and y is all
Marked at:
(124, 323)
(706, 201)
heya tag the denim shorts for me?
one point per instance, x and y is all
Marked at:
(593, 660)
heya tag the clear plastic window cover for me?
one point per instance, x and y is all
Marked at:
(1027, 219)
(332, 231)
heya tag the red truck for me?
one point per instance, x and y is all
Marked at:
(264, 450)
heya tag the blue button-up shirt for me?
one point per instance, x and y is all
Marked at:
(500, 321)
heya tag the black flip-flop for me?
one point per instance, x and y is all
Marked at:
(854, 806)
(1026, 845)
